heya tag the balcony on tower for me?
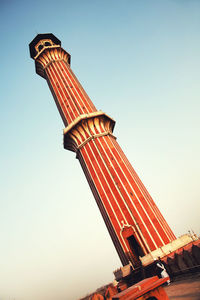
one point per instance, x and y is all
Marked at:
(40, 46)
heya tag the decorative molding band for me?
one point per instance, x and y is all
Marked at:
(96, 136)
(87, 127)
(52, 61)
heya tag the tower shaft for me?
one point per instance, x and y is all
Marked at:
(133, 220)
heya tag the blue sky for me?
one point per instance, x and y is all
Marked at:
(139, 62)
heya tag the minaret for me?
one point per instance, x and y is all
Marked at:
(133, 220)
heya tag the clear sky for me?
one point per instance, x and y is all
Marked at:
(139, 61)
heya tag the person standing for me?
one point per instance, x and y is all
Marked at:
(162, 271)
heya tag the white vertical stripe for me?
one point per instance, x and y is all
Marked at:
(130, 186)
(161, 219)
(65, 83)
(105, 194)
(51, 79)
(78, 84)
(65, 97)
(123, 200)
(133, 174)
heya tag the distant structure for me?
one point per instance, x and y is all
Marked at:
(136, 226)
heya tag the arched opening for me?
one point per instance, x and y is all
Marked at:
(132, 240)
(135, 247)
(47, 44)
(40, 47)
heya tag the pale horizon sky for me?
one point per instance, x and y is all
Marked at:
(139, 62)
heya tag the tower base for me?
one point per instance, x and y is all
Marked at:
(180, 256)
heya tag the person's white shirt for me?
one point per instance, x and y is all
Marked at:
(163, 273)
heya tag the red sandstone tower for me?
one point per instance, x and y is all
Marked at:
(133, 220)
